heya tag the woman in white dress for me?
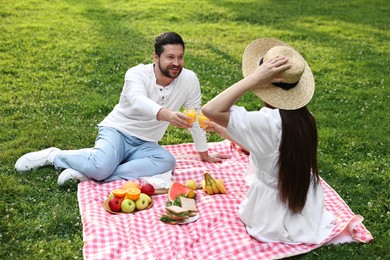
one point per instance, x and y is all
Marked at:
(284, 202)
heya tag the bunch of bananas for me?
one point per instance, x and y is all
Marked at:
(212, 186)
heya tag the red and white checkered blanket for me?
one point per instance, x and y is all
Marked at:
(217, 234)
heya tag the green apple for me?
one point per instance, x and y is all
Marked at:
(128, 206)
(146, 196)
(142, 203)
(111, 196)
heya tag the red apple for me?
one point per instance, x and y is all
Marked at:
(148, 189)
(115, 204)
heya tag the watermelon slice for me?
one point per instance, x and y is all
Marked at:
(177, 189)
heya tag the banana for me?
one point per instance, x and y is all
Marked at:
(218, 184)
(203, 184)
(220, 187)
(209, 189)
(215, 189)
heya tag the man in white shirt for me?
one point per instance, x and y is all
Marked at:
(127, 146)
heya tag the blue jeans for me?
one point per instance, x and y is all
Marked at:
(117, 156)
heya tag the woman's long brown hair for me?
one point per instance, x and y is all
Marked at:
(298, 157)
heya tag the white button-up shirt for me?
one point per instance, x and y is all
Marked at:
(141, 99)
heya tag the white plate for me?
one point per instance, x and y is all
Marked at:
(190, 219)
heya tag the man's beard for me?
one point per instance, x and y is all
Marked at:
(166, 73)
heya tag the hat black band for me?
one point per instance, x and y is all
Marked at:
(285, 86)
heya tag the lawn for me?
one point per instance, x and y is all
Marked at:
(62, 65)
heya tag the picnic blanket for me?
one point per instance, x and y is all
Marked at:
(217, 234)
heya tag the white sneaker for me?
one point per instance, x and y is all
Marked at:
(70, 174)
(34, 160)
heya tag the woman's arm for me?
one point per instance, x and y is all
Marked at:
(217, 109)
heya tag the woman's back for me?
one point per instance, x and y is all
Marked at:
(267, 218)
(298, 157)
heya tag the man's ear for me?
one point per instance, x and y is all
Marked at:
(155, 57)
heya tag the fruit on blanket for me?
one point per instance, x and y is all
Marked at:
(111, 196)
(133, 200)
(132, 193)
(147, 188)
(191, 184)
(191, 194)
(203, 184)
(146, 196)
(130, 184)
(115, 204)
(213, 186)
(215, 189)
(128, 206)
(142, 203)
(209, 189)
(221, 187)
(177, 189)
(119, 193)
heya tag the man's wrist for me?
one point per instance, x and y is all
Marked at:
(163, 114)
(204, 155)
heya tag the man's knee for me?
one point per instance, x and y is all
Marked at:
(99, 171)
(164, 161)
(170, 161)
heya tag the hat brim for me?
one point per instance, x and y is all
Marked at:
(291, 99)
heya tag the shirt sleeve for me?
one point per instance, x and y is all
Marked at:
(255, 130)
(199, 137)
(194, 101)
(135, 91)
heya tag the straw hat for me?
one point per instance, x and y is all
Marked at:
(297, 88)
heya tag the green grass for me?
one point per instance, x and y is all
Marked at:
(62, 65)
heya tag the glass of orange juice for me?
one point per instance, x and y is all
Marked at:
(191, 113)
(201, 119)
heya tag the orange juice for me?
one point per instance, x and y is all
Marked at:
(190, 113)
(201, 119)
